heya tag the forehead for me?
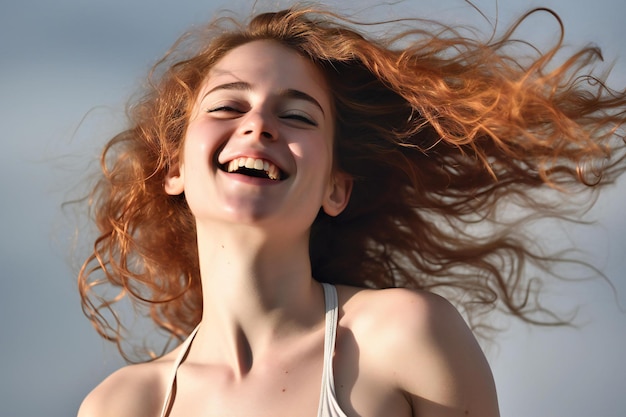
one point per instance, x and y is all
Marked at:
(268, 65)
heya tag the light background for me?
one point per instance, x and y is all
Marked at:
(61, 60)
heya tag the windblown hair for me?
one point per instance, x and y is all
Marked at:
(439, 130)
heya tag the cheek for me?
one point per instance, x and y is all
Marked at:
(316, 150)
(198, 141)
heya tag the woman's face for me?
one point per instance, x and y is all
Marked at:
(259, 142)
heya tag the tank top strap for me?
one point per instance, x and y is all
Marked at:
(328, 406)
(171, 380)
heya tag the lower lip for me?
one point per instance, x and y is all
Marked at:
(250, 180)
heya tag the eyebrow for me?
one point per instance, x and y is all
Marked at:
(288, 93)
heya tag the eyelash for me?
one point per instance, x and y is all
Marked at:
(223, 108)
(293, 116)
(301, 118)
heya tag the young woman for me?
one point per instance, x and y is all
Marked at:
(279, 175)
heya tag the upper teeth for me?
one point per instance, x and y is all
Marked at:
(270, 169)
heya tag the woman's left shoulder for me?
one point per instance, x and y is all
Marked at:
(418, 343)
(406, 311)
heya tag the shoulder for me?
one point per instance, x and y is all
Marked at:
(405, 313)
(419, 343)
(135, 390)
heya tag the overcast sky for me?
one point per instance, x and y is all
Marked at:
(66, 69)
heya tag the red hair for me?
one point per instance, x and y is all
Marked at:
(439, 131)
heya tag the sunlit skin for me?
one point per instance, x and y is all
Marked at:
(259, 349)
(246, 109)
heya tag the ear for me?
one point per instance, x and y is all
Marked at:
(174, 183)
(338, 194)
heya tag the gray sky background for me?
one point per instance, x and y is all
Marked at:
(61, 61)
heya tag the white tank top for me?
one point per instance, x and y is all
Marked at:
(328, 406)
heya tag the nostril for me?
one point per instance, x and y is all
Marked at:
(265, 134)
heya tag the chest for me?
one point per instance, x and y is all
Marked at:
(277, 388)
(289, 388)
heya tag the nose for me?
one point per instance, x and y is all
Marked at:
(258, 124)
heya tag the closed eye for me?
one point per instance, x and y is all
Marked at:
(300, 118)
(226, 109)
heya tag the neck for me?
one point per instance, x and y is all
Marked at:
(257, 291)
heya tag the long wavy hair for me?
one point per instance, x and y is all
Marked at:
(443, 133)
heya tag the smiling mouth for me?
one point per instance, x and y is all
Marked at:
(253, 167)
